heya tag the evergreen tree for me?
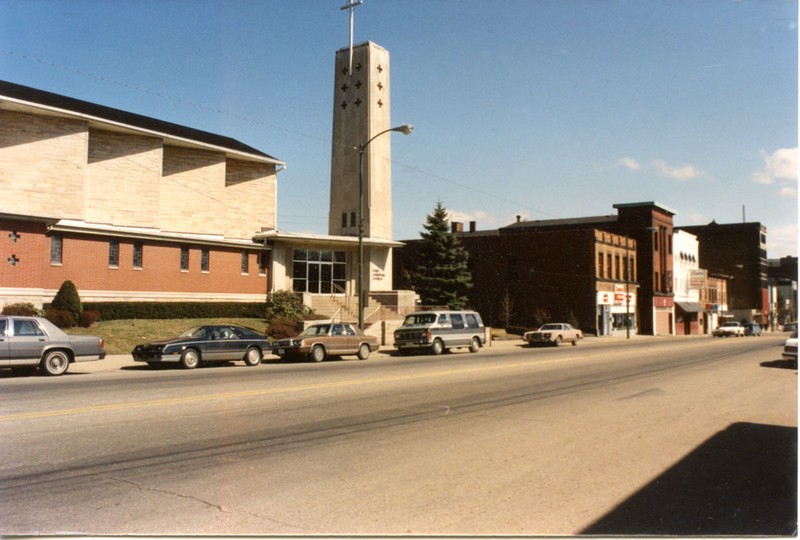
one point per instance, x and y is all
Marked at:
(441, 277)
(67, 299)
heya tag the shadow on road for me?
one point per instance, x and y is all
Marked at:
(741, 481)
(780, 364)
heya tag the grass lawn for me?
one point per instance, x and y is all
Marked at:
(121, 336)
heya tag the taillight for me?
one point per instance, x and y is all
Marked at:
(102, 343)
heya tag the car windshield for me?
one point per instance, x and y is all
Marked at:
(317, 330)
(550, 327)
(420, 318)
(196, 332)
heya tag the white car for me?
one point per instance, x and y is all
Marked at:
(553, 334)
(729, 329)
(790, 348)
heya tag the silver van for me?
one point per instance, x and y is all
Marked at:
(438, 331)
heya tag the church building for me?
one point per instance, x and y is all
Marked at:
(131, 208)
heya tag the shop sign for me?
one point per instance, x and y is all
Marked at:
(697, 279)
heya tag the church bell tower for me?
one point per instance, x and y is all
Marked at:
(360, 111)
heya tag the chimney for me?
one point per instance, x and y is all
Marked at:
(519, 218)
(473, 226)
(456, 227)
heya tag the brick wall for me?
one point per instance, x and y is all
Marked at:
(85, 261)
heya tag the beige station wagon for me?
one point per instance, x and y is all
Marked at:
(320, 341)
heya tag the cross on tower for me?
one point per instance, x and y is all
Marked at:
(351, 5)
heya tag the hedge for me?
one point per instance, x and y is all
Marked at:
(110, 311)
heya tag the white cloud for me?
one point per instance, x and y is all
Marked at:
(782, 241)
(478, 216)
(788, 192)
(629, 163)
(677, 172)
(780, 166)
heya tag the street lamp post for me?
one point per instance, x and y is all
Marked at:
(405, 129)
(627, 290)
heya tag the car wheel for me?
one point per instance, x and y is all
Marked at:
(317, 353)
(574, 342)
(55, 363)
(557, 341)
(253, 356)
(190, 359)
(475, 346)
(437, 347)
(363, 352)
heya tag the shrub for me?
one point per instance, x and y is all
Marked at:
(113, 311)
(25, 308)
(89, 317)
(60, 317)
(282, 328)
(285, 305)
(67, 299)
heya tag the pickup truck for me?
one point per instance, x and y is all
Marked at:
(729, 329)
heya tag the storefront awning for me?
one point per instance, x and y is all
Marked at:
(690, 307)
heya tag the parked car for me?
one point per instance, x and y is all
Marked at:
(727, 329)
(30, 342)
(752, 329)
(208, 343)
(320, 341)
(553, 334)
(440, 331)
(790, 348)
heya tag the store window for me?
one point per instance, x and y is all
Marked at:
(319, 271)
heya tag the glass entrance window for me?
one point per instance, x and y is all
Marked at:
(319, 271)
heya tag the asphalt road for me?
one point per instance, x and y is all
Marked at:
(653, 436)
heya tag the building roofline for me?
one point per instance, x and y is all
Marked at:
(27, 97)
(313, 238)
(647, 204)
(142, 233)
(561, 221)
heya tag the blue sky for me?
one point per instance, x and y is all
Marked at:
(539, 108)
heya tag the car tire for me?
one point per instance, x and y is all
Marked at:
(253, 356)
(437, 347)
(363, 351)
(54, 363)
(574, 342)
(190, 359)
(317, 353)
(557, 341)
(475, 346)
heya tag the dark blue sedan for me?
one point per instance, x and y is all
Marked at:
(206, 344)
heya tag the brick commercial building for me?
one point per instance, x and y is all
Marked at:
(126, 206)
(738, 250)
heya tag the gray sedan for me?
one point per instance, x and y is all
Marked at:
(30, 342)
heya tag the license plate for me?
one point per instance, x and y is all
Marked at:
(281, 351)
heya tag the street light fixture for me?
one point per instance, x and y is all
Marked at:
(405, 129)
